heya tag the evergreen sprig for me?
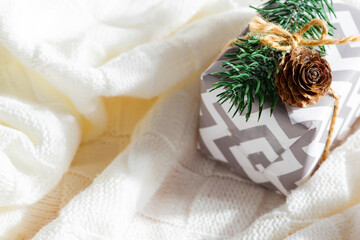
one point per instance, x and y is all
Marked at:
(248, 72)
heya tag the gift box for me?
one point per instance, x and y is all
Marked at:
(281, 151)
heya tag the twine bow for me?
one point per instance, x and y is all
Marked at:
(281, 39)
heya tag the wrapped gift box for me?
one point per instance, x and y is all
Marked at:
(281, 151)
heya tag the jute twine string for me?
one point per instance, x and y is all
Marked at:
(279, 38)
(282, 40)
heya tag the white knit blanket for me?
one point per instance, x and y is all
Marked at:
(74, 166)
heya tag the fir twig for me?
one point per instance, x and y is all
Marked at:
(248, 75)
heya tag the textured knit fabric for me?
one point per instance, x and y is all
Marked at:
(83, 157)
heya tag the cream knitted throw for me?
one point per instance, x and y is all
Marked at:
(79, 160)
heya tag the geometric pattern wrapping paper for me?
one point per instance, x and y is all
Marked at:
(280, 152)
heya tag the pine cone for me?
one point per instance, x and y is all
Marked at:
(303, 78)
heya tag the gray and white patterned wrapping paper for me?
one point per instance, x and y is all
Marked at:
(280, 152)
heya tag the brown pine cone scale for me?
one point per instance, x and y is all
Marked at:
(304, 77)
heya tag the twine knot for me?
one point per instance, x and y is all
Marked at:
(281, 39)
(295, 40)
